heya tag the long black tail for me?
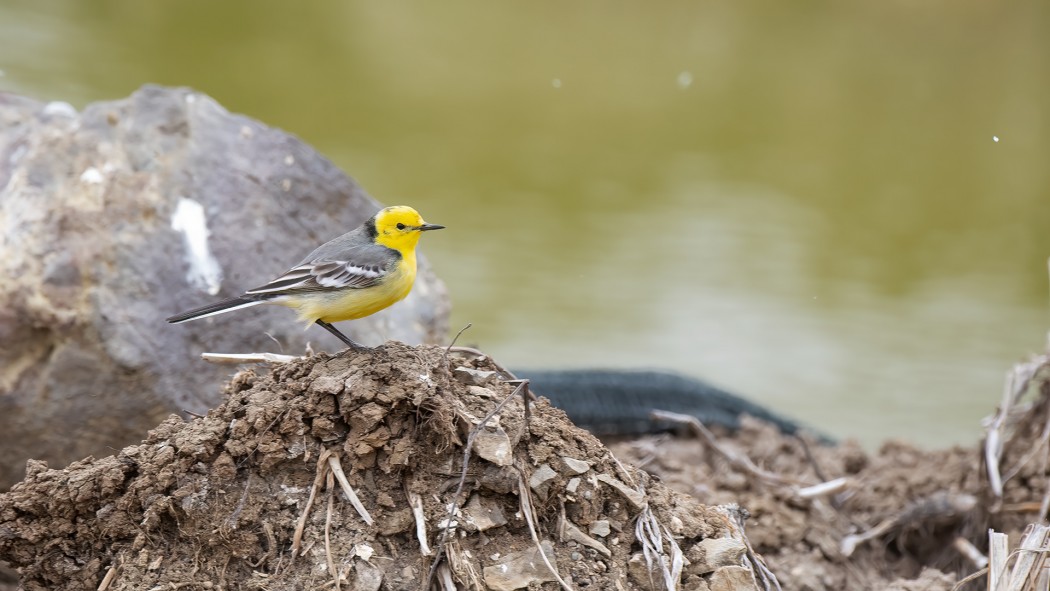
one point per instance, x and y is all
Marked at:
(216, 308)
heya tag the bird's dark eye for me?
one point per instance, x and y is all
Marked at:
(400, 226)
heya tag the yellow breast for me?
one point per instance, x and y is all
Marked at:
(351, 304)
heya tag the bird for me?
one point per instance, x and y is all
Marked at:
(355, 275)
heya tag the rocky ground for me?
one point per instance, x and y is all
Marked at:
(255, 495)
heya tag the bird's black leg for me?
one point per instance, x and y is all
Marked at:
(342, 337)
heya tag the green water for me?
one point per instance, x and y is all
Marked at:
(802, 202)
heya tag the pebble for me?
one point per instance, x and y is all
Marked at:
(600, 528)
(472, 377)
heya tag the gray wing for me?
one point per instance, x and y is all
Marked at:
(344, 263)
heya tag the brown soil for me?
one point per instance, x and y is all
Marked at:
(929, 499)
(215, 502)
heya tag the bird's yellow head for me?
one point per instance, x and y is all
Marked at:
(399, 227)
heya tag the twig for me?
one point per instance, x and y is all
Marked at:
(111, 574)
(705, 434)
(176, 586)
(319, 478)
(330, 485)
(446, 578)
(1017, 381)
(627, 475)
(337, 469)
(998, 556)
(568, 530)
(271, 547)
(969, 579)
(526, 397)
(231, 521)
(938, 506)
(193, 414)
(507, 375)
(275, 341)
(525, 498)
(810, 458)
(1031, 553)
(421, 522)
(456, 338)
(238, 358)
(824, 488)
(970, 552)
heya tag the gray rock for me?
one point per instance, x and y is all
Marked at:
(494, 445)
(732, 578)
(473, 377)
(541, 478)
(93, 265)
(600, 528)
(575, 466)
(483, 513)
(642, 574)
(481, 392)
(520, 569)
(366, 577)
(713, 553)
(574, 483)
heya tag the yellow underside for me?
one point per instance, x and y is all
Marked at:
(351, 304)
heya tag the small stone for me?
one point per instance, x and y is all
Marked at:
(732, 578)
(396, 522)
(483, 513)
(574, 483)
(521, 569)
(600, 528)
(498, 479)
(367, 577)
(576, 466)
(576, 556)
(713, 553)
(480, 392)
(494, 446)
(540, 480)
(383, 499)
(472, 377)
(639, 573)
(364, 551)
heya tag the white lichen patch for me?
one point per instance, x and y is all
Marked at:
(204, 271)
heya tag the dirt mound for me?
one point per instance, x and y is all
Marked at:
(901, 518)
(255, 494)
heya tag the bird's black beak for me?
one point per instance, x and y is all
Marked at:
(426, 227)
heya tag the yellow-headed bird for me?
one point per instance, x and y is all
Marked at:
(350, 277)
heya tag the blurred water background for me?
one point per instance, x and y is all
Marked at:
(839, 210)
